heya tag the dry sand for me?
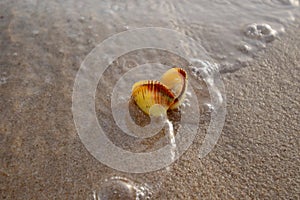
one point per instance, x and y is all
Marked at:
(42, 157)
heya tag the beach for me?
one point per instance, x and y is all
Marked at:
(257, 154)
(42, 156)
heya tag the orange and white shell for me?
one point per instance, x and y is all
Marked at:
(156, 97)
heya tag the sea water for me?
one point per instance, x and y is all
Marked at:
(231, 31)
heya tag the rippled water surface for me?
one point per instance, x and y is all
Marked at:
(231, 31)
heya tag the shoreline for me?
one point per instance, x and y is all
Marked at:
(42, 157)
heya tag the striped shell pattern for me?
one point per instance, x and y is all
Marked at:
(168, 93)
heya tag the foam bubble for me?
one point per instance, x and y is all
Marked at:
(122, 188)
(262, 32)
(3, 80)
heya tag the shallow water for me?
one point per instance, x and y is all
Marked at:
(50, 39)
(231, 31)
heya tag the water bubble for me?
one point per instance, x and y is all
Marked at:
(203, 68)
(186, 103)
(120, 188)
(209, 107)
(262, 32)
(3, 80)
(245, 48)
(188, 94)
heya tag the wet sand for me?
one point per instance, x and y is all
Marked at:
(42, 157)
(257, 155)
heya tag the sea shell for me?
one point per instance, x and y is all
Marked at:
(176, 80)
(156, 97)
(148, 93)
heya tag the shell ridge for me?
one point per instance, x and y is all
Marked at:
(147, 93)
